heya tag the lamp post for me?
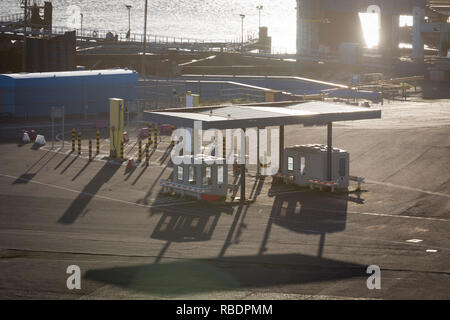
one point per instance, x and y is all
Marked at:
(81, 31)
(260, 7)
(145, 38)
(242, 32)
(128, 6)
(24, 55)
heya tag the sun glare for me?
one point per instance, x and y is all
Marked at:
(370, 24)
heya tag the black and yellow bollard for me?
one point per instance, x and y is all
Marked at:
(149, 134)
(98, 141)
(79, 143)
(121, 152)
(147, 156)
(140, 150)
(172, 143)
(156, 136)
(73, 140)
(90, 149)
(224, 147)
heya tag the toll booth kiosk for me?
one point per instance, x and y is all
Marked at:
(203, 177)
(306, 165)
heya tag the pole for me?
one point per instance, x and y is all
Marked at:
(97, 137)
(73, 140)
(145, 38)
(281, 150)
(90, 149)
(329, 150)
(81, 31)
(53, 130)
(79, 143)
(149, 130)
(24, 55)
(64, 110)
(121, 152)
(140, 151)
(172, 142)
(260, 7)
(242, 32)
(242, 165)
(258, 167)
(147, 158)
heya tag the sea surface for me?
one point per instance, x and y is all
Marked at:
(197, 19)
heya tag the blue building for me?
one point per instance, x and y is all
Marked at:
(80, 92)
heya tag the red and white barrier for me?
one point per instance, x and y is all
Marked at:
(199, 191)
(321, 184)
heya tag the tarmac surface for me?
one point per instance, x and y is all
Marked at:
(131, 241)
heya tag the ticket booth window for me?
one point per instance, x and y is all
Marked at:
(290, 164)
(220, 175)
(192, 175)
(180, 174)
(206, 174)
(302, 165)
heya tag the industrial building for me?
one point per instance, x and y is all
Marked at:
(24, 95)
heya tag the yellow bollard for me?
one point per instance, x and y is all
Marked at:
(140, 151)
(156, 136)
(79, 143)
(224, 148)
(98, 141)
(147, 157)
(73, 140)
(121, 152)
(90, 150)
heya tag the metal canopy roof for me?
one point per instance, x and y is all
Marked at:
(249, 116)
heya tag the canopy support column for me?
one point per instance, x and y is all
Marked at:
(242, 165)
(281, 149)
(329, 150)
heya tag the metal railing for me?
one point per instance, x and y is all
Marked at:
(13, 17)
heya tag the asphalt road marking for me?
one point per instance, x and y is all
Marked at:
(172, 203)
(387, 184)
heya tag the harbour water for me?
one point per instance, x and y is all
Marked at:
(198, 19)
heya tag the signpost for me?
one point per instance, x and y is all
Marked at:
(57, 112)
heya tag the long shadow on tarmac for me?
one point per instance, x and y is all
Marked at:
(229, 273)
(308, 212)
(79, 205)
(318, 213)
(27, 176)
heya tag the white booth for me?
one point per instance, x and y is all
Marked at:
(203, 177)
(306, 165)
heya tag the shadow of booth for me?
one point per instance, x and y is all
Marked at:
(194, 222)
(308, 212)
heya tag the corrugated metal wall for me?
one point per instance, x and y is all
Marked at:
(81, 92)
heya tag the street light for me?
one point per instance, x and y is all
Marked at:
(81, 31)
(145, 38)
(128, 6)
(260, 7)
(242, 32)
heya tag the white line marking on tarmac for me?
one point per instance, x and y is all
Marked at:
(399, 216)
(96, 195)
(408, 188)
